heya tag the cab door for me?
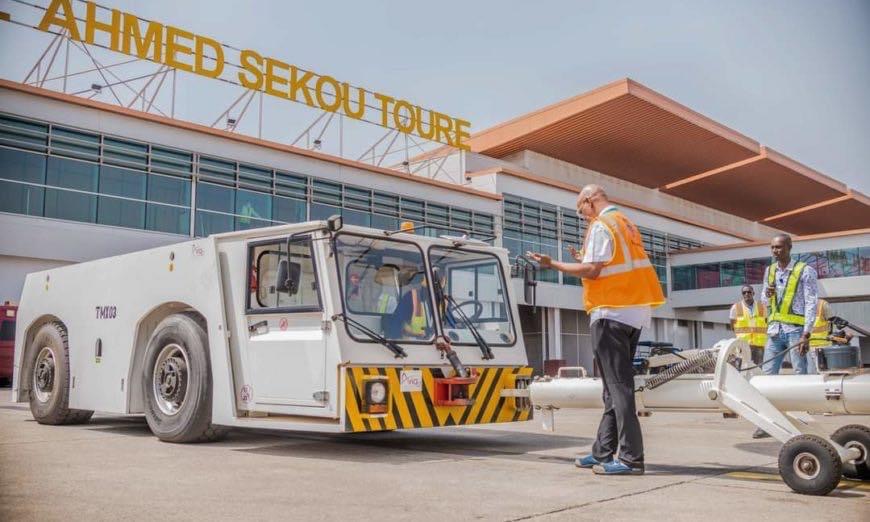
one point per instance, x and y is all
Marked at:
(286, 345)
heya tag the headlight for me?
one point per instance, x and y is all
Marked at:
(377, 393)
(375, 396)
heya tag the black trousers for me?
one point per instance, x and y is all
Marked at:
(615, 344)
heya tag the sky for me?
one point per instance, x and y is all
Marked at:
(793, 75)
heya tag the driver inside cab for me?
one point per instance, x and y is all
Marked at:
(410, 320)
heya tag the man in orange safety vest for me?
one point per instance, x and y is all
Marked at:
(620, 288)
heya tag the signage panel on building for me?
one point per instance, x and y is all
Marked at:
(199, 54)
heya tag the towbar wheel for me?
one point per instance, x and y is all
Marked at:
(855, 436)
(810, 465)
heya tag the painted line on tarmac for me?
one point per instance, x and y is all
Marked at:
(619, 497)
(774, 477)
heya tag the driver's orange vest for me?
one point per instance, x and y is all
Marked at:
(628, 279)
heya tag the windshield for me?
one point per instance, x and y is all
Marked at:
(476, 283)
(385, 288)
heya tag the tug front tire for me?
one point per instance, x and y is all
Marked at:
(48, 360)
(810, 465)
(855, 436)
(176, 379)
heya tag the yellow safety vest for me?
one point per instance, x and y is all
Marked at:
(752, 328)
(419, 321)
(384, 303)
(819, 336)
(783, 312)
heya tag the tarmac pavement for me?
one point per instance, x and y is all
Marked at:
(699, 466)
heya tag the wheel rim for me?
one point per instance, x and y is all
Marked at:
(807, 466)
(44, 373)
(170, 380)
(861, 447)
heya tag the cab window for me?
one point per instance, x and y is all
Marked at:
(385, 287)
(282, 282)
(475, 282)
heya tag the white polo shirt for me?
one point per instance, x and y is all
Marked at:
(599, 249)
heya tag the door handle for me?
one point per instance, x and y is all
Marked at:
(256, 328)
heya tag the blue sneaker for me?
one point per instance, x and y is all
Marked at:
(616, 467)
(586, 462)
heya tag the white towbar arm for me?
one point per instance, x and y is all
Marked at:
(765, 402)
(684, 382)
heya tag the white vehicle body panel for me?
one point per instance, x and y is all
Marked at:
(291, 368)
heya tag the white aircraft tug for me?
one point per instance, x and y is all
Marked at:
(305, 327)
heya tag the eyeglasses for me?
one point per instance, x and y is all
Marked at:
(747, 292)
(582, 204)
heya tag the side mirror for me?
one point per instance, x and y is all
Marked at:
(334, 223)
(529, 284)
(288, 277)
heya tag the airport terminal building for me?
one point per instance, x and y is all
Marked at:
(81, 179)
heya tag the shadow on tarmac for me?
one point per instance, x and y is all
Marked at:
(133, 426)
(769, 448)
(397, 447)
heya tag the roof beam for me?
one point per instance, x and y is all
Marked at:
(808, 207)
(718, 170)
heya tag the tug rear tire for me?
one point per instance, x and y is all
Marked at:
(48, 360)
(855, 436)
(810, 465)
(177, 384)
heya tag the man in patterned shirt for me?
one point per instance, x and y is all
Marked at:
(791, 296)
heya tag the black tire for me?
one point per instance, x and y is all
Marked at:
(178, 396)
(855, 435)
(810, 465)
(48, 361)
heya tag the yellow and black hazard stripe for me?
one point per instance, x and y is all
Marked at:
(417, 409)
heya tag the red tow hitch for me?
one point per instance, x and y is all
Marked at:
(454, 391)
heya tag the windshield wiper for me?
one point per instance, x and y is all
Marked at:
(397, 350)
(442, 296)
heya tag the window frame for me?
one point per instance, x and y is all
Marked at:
(436, 331)
(281, 309)
(504, 281)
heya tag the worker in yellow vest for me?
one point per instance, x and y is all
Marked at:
(620, 287)
(821, 328)
(790, 295)
(749, 322)
(819, 335)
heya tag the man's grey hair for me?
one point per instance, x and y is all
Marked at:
(784, 237)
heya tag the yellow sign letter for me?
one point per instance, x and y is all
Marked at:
(68, 21)
(251, 63)
(149, 46)
(199, 68)
(113, 28)
(173, 46)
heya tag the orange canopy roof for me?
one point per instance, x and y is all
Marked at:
(631, 132)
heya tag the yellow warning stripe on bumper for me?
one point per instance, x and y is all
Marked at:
(417, 409)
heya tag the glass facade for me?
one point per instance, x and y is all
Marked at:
(829, 264)
(64, 173)
(542, 227)
(531, 225)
